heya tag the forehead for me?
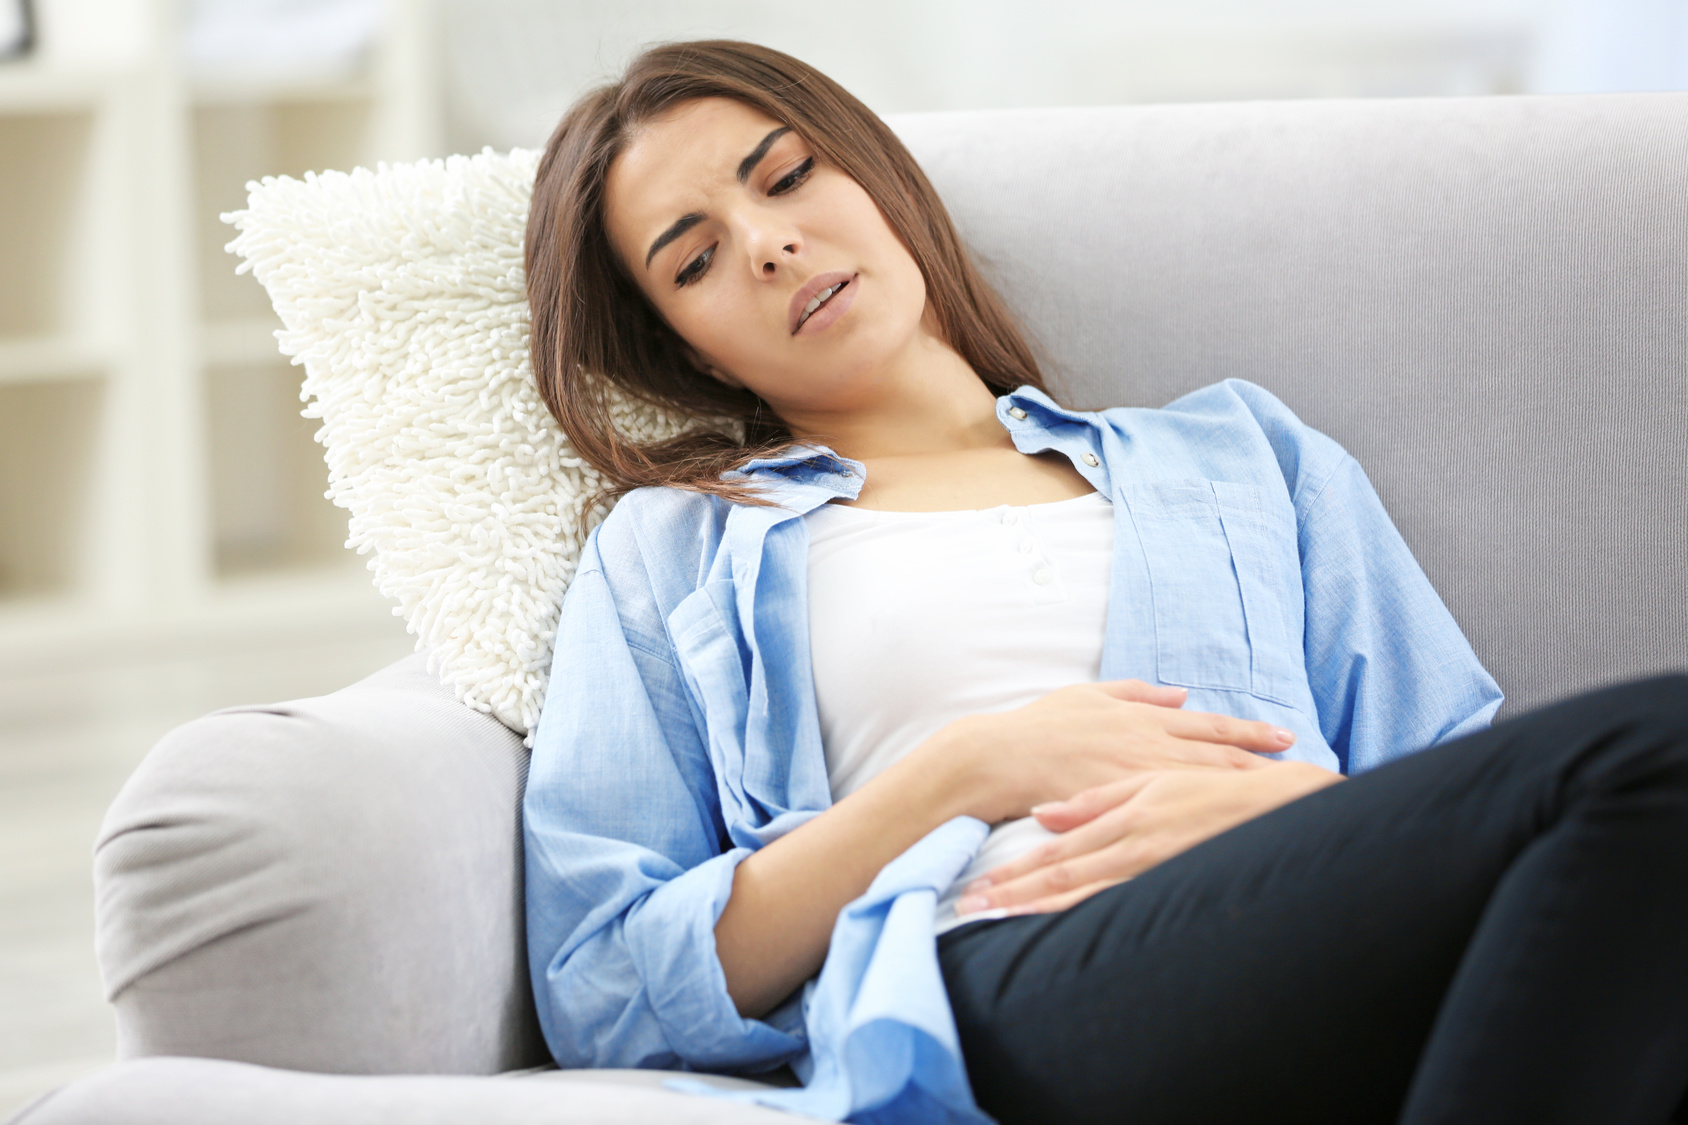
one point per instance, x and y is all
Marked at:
(673, 163)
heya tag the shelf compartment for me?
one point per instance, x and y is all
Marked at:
(268, 477)
(43, 220)
(236, 142)
(47, 454)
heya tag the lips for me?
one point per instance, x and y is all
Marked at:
(822, 287)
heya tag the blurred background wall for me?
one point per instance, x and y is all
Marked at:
(511, 65)
(165, 548)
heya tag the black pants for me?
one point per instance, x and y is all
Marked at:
(1494, 930)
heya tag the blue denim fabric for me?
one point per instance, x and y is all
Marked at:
(1253, 564)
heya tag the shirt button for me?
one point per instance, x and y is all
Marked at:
(1042, 577)
(1090, 459)
(1016, 413)
(1025, 546)
(1011, 518)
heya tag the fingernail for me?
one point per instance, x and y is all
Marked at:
(1284, 736)
(977, 887)
(969, 903)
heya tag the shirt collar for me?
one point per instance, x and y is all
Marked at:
(803, 477)
(1037, 423)
(806, 476)
(1037, 411)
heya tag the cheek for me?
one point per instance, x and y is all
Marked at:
(716, 322)
(900, 267)
(907, 283)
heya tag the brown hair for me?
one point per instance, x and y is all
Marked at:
(593, 327)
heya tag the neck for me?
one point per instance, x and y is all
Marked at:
(929, 402)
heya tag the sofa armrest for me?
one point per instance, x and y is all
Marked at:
(331, 884)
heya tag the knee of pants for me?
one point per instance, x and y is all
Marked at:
(1663, 697)
(1656, 707)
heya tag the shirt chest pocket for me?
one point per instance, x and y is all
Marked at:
(1225, 577)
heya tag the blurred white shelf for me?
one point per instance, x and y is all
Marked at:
(31, 87)
(48, 632)
(240, 342)
(237, 89)
(158, 487)
(49, 359)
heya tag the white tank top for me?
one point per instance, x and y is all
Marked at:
(919, 618)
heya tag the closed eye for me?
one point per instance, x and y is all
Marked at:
(791, 179)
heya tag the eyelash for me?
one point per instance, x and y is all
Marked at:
(793, 178)
(699, 265)
(695, 268)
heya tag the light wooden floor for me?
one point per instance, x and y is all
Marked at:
(66, 746)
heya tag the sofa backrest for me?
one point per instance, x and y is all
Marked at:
(1482, 299)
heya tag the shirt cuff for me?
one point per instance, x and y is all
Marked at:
(671, 938)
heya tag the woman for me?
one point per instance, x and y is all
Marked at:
(892, 593)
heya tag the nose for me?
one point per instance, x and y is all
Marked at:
(771, 243)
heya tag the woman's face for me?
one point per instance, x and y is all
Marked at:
(733, 227)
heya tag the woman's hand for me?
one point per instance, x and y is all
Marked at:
(774, 930)
(1115, 831)
(1089, 735)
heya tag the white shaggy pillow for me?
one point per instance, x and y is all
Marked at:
(402, 292)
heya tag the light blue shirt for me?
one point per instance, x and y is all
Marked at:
(1253, 564)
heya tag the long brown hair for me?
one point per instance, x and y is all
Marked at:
(593, 328)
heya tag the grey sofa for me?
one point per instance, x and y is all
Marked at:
(316, 905)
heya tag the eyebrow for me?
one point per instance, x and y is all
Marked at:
(681, 225)
(749, 163)
(746, 166)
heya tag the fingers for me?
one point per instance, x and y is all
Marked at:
(1189, 753)
(1098, 850)
(1058, 880)
(1245, 734)
(1202, 726)
(1136, 691)
(1088, 804)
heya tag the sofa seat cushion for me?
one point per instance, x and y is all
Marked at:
(183, 1091)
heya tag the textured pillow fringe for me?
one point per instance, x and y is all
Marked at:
(402, 292)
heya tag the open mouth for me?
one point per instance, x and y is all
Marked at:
(817, 301)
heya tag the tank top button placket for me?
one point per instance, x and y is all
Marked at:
(1041, 570)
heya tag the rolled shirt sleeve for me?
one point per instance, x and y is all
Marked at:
(626, 872)
(1388, 664)
(1389, 670)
